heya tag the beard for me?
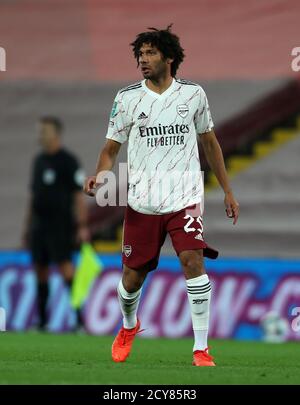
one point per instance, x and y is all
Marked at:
(154, 74)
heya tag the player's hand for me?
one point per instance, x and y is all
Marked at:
(90, 185)
(232, 206)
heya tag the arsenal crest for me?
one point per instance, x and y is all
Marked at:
(127, 250)
(182, 110)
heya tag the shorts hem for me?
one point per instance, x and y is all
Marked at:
(208, 251)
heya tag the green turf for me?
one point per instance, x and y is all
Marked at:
(31, 358)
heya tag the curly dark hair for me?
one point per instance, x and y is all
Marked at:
(165, 41)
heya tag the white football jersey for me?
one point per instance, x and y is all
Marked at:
(164, 172)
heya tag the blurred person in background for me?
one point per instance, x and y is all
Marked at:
(56, 217)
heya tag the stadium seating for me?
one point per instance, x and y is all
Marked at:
(268, 192)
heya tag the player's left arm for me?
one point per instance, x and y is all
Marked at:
(215, 159)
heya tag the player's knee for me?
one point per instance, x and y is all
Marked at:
(131, 286)
(132, 280)
(192, 262)
(190, 259)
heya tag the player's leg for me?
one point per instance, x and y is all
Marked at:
(199, 294)
(142, 240)
(129, 293)
(187, 238)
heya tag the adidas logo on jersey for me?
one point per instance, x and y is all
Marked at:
(142, 116)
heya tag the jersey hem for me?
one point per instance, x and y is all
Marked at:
(149, 212)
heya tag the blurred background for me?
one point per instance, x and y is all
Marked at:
(68, 58)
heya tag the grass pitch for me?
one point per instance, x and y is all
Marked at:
(33, 358)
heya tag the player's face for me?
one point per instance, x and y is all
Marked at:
(152, 63)
(48, 136)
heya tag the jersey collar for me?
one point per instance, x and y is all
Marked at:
(156, 95)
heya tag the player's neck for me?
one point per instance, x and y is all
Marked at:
(160, 85)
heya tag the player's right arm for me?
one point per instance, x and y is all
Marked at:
(105, 162)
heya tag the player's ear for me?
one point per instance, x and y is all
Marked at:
(169, 61)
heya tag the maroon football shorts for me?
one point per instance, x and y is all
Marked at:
(144, 235)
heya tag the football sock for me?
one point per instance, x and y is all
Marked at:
(129, 304)
(199, 293)
(42, 298)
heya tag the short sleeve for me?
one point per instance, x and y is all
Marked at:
(119, 122)
(202, 119)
